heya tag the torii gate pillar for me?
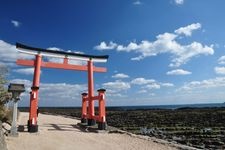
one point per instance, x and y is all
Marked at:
(91, 106)
(32, 122)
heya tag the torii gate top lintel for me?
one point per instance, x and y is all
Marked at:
(60, 54)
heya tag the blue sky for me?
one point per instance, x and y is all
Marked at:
(161, 51)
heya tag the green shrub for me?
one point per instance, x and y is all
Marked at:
(4, 96)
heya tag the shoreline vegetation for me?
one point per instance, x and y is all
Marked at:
(202, 128)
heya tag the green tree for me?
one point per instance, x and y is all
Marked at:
(4, 96)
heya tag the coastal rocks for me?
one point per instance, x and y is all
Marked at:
(203, 139)
(202, 128)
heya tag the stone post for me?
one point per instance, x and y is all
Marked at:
(13, 130)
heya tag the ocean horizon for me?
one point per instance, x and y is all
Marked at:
(144, 107)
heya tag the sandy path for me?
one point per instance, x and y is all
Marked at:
(60, 133)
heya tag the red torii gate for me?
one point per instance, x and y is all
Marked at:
(88, 115)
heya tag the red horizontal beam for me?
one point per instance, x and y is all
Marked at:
(95, 98)
(96, 118)
(59, 65)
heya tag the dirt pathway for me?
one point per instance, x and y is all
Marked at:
(61, 133)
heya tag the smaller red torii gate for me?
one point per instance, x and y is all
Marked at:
(88, 112)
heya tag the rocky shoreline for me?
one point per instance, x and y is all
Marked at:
(202, 128)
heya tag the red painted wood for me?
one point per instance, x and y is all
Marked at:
(91, 107)
(87, 112)
(34, 93)
(84, 107)
(59, 65)
(101, 106)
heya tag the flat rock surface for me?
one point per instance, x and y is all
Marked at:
(62, 133)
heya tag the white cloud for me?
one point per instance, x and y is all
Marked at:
(142, 81)
(54, 94)
(27, 83)
(178, 72)
(150, 83)
(59, 49)
(71, 61)
(210, 83)
(146, 85)
(143, 86)
(167, 84)
(60, 60)
(104, 46)
(221, 60)
(187, 31)
(220, 70)
(64, 94)
(77, 62)
(189, 51)
(151, 94)
(179, 2)
(55, 60)
(132, 46)
(26, 71)
(165, 43)
(142, 91)
(15, 23)
(110, 95)
(116, 87)
(9, 54)
(55, 48)
(137, 2)
(120, 76)
(146, 92)
(152, 86)
(63, 90)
